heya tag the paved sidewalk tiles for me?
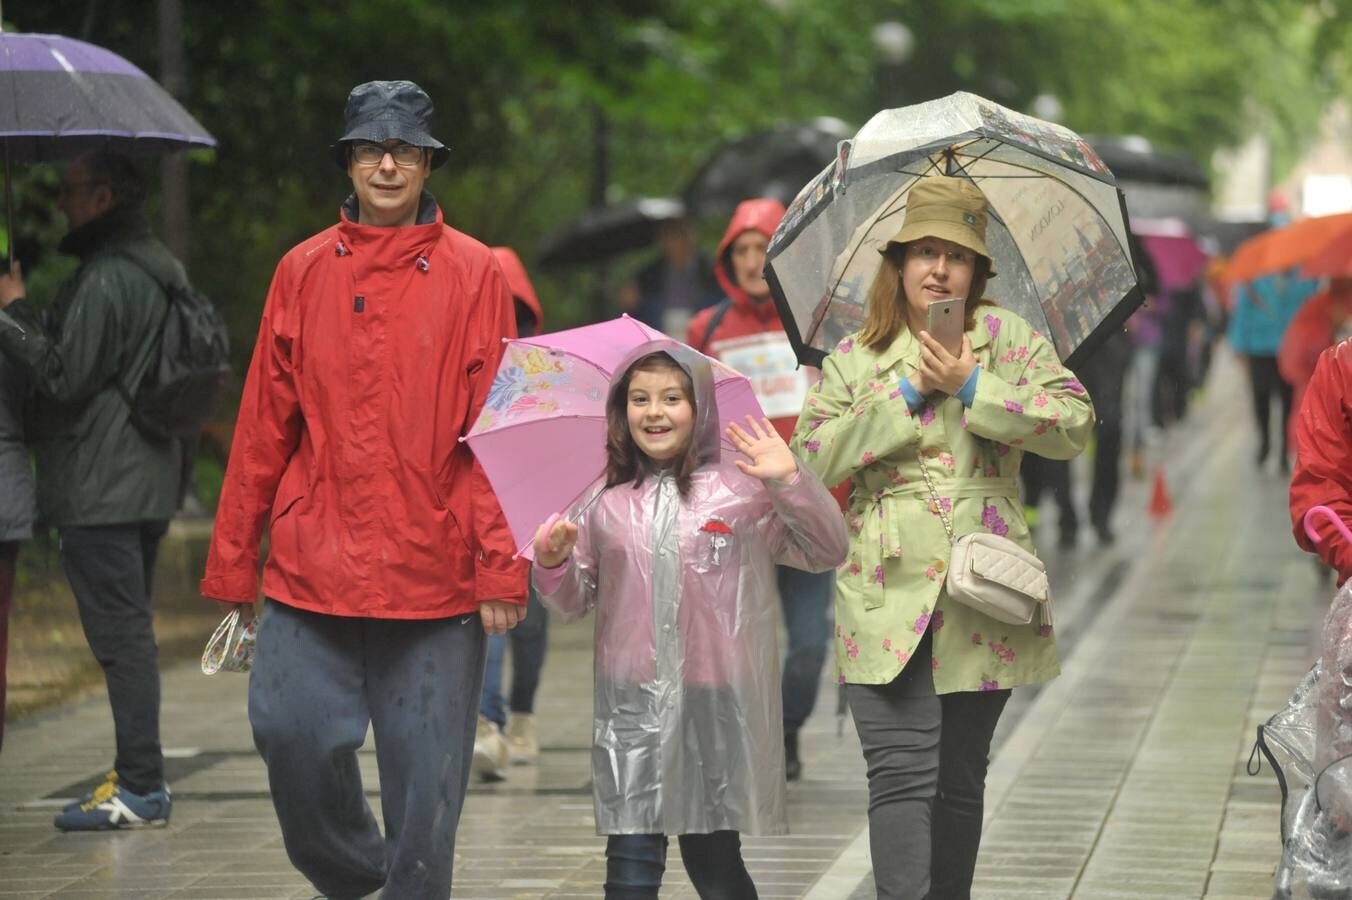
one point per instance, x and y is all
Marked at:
(1124, 778)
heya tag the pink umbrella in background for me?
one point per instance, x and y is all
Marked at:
(541, 435)
(1179, 259)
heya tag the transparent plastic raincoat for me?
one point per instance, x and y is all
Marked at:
(687, 732)
(1309, 744)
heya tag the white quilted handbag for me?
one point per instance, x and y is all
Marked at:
(992, 574)
(995, 576)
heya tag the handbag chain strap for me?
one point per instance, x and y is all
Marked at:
(934, 495)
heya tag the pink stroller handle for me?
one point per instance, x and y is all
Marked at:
(1329, 514)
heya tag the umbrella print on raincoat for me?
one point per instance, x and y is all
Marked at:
(541, 436)
(1057, 230)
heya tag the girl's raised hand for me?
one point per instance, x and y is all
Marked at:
(770, 456)
(554, 541)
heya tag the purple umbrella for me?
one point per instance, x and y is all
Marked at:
(62, 97)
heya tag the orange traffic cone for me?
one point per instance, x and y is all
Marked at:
(1160, 504)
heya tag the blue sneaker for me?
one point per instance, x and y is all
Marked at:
(109, 778)
(112, 807)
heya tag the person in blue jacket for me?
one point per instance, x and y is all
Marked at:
(1263, 308)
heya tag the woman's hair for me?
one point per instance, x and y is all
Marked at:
(885, 307)
(625, 462)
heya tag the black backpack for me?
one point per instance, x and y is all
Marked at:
(186, 382)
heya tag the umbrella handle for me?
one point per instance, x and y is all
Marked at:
(557, 516)
(1315, 512)
(9, 209)
(549, 523)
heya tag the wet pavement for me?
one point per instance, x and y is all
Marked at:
(1124, 778)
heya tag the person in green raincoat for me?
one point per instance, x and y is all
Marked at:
(926, 677)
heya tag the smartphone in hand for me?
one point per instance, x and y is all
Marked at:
(945, 323)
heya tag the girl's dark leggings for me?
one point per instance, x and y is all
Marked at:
(635, 863)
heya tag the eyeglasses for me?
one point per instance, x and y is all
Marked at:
(931, 253)
(367, 153)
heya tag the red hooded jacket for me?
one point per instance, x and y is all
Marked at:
(749, 336)
(376, 350)
(1313, 329)
(518, 283)
(1323, 473)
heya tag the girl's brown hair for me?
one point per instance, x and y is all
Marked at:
(625, 462)
(885, 307)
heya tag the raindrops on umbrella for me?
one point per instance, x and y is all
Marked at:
(64, 97)
(1058, 231)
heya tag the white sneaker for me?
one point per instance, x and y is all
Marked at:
(490, 752)
(523, 747)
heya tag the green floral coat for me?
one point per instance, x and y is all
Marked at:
(855, 424)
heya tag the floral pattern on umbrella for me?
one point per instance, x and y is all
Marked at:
(532, 381)
(541, 433)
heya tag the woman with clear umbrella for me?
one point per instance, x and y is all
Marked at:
(931, 436)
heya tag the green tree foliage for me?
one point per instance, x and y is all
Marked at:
(523, 90)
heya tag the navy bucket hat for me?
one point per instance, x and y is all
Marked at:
(380, 110)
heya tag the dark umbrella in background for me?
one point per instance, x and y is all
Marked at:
(1169, 184)
(1134, 158)
(609, 231)
(60, 97)
(774, 163)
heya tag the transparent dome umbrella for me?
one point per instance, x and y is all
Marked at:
(1057, 233)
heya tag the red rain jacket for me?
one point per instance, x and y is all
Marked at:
(737, 334)
(750, 337)
(376, 350)
(519, 284)
(1323, 473)
(1313, 330)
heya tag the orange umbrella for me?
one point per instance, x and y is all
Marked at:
(1283, 248)
(1334, 260)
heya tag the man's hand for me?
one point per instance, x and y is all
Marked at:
(11, 285)
(501, 616)
(554, 541)
(246, 610)
(770, 456)
(940, 370)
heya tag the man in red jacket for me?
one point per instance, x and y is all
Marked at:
(744, 331)
(389, 556)
(1323, 473)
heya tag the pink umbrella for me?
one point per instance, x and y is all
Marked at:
(1179, 260)
(541, 435)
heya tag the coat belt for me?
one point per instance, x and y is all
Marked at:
(880, 536)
